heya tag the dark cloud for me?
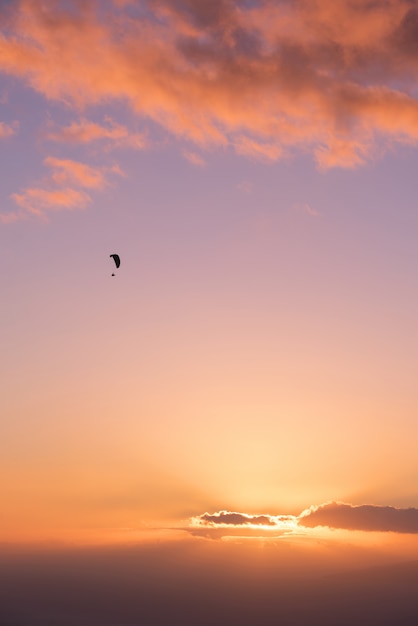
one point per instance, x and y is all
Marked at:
(405, 37)
(366, 517)
(236, 519)
(232, 524)
(205, 14)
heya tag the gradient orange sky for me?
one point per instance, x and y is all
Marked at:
(254, 165)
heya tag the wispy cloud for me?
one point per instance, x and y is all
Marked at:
(194, 158)
(85, 131)
(64, 188)
(265, 78)
(12, 216)
(7, 130)
(304, 207)
(245, 186)
(37, 200)
(263, 151)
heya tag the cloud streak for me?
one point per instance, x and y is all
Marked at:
(193, 158)
(37, 200)
(84, 132)
(265, 78)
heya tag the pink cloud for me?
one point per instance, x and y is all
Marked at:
(310, 211)
(193, 158)
(12, 216)
(306, 208)
(7, 130)
(245, 186)
(335, 79)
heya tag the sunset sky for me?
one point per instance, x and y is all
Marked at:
(251, 368)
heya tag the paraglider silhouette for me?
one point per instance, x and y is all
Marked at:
(116, 259)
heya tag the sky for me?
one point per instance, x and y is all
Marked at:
(245, 383)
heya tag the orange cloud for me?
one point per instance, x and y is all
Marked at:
(256, 149)
(37, 200)
(67, 171)
(63, 189)
(85, 132)
(332, 78)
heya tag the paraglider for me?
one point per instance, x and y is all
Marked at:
(116, 259)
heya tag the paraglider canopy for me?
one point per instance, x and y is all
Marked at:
(116, 259)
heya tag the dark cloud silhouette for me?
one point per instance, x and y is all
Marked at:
(367, 517)
(236, 519)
